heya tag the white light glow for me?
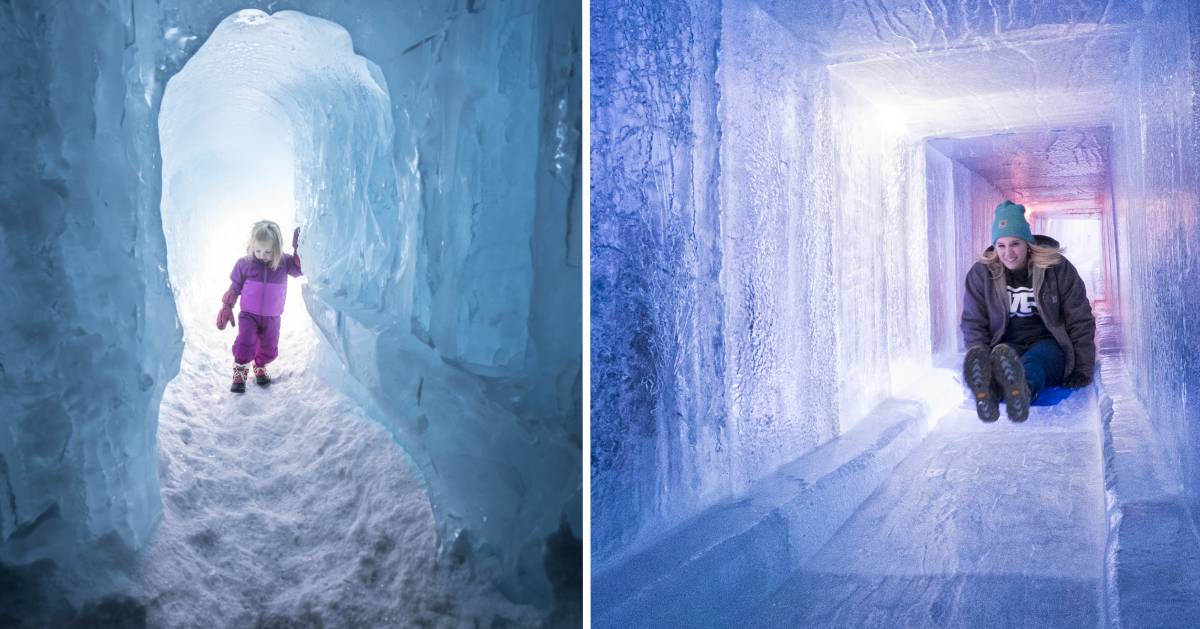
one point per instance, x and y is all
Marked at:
(223, 171)
(892, 118)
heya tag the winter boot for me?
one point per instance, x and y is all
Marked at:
(977, 373)
(1010, 373)
(239, 378)
(260, 376)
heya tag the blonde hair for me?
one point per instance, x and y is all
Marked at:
(267, 231)
(1039, 256)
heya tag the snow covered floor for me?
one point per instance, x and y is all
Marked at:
(984, 525)
(287, 506)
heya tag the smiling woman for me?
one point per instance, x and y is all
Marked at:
(1027, 321)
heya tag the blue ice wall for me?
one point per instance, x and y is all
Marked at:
(975, 200)
(92, 338)
(778, 164)
(960, 204)
(1156, 184)
(940, 190)
(738, 286)
(425, 288)
(483, 392)
(656, 321)
(880, 254)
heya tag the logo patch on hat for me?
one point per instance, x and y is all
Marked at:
(1004, 222)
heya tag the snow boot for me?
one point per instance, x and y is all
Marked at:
(261, 377)
(239, 378)
(977, 373)
(1010, 373)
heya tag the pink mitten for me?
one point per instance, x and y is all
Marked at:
(226, 313)
(224, 317)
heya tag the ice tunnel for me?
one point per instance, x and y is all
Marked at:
(229, 128)
(430, 154)
(786, 199)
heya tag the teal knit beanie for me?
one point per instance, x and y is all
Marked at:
(1010, 221)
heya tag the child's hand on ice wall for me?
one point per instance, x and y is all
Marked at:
(296, 239)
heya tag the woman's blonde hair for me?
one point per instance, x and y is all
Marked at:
(1039, 255)
(267, 231)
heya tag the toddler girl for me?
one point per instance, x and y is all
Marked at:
(261, 279)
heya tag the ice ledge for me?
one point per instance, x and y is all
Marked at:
(714, 568)
(1152, 559)
(499, 482)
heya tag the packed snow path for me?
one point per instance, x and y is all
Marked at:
(287, 506)
(984, 525)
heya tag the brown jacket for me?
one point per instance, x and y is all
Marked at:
(1062, 303)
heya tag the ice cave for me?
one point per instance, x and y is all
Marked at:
(786, 197)
(416, 460)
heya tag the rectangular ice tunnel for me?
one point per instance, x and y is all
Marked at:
(781, 244)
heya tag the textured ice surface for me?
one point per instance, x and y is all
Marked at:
(287, 502)
(291, 503)
(984, 525)
(786, 197)
(93, 337)
(975, 67)
(960, 203)
(1153, 559)
(726, 343)
(1156, 181)
(713, 568)
(659, 428)
(1058, 171)
(405, 228)
(445, 221)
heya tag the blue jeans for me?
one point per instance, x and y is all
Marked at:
(1044, 363)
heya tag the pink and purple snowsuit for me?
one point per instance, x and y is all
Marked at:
(263, 292)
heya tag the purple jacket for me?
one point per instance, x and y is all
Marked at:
(263, 290)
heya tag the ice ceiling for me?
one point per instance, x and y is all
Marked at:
(1026, 92)
(1060, 171)
(974, 65)
(1046, 77)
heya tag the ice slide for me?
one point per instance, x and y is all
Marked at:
(786, 199)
